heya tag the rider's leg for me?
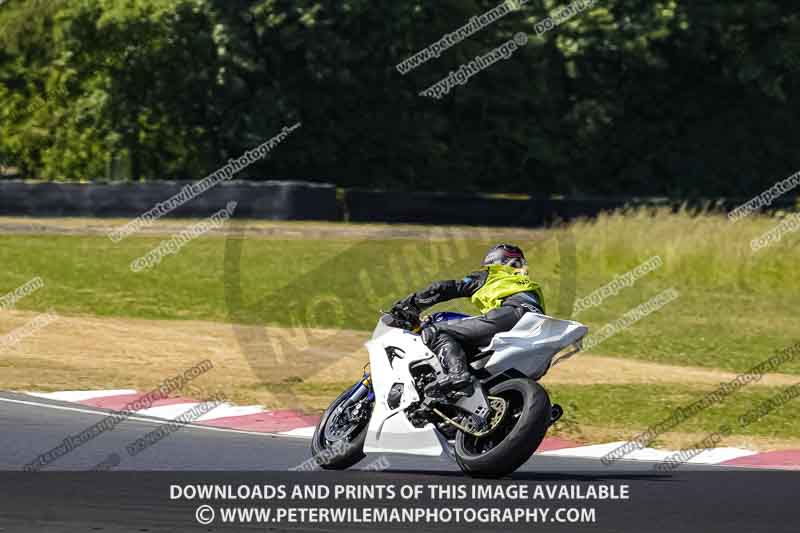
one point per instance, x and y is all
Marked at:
(476, 332)
(452, 340)
(452, 356)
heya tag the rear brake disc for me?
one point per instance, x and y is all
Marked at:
(499, 408)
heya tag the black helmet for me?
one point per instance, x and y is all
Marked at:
(505, 254)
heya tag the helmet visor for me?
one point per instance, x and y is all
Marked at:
(517, 262)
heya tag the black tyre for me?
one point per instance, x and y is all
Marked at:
(516, 438)
(337, 450)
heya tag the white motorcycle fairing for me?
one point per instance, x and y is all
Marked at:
(529, 347)
(531, 344)
(389, 429)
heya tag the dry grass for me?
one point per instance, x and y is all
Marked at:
(87, 352)
(698, 249)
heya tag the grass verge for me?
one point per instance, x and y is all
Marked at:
(735, 306)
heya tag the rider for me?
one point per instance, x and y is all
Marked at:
(501, 290)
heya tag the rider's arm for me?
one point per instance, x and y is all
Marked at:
(442, 291)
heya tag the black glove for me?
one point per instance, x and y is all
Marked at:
(406, 313)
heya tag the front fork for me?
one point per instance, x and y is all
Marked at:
(361, 390)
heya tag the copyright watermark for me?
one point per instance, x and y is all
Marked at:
(204, 515)
(467, 70)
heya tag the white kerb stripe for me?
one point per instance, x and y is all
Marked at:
(80, 395)
(720, 455)
(300, 432)
(168, 412)
(171, 412)
(597, 451)
(226, 410)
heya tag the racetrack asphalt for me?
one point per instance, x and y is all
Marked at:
(693, 498)
(35, 425)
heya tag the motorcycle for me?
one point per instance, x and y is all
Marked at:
(489, 428)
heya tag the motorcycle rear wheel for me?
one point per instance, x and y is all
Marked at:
(516, 438)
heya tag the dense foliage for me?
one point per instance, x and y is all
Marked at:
(679, 97)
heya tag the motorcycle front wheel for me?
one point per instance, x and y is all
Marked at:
(338, 441)
(517, 436)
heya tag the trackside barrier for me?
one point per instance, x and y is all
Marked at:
(298, 200)
(275, 200)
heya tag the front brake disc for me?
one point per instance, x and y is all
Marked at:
(336, 429)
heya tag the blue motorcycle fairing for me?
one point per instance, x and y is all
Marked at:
(446, 316)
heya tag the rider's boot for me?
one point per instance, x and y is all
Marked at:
(457, 376)
(455, 360)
